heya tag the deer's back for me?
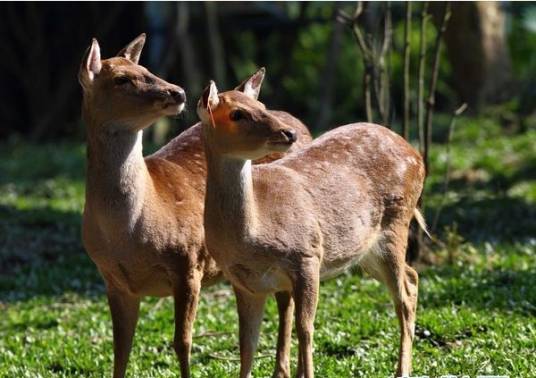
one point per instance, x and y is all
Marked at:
(342, 192)
(391, 166)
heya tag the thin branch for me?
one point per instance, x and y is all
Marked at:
(383, 94)
(367, 56)
(430, 103)
(367, 79)
(446, 179)
(367, 53)
(407, 50)
(358, 10)
(420, 91)
(388, 30)
(420, 243)
(226, 358)
(376, 76)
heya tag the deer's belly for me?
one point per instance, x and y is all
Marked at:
(143, 280)
(266, 280)
(338, 260)
(133, 272)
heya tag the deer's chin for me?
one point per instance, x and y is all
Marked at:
(173, 109)
(278, 146)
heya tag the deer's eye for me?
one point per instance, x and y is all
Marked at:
(237, 115)
(121, 80)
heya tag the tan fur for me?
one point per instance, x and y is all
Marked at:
(346, 199)
(143, 218)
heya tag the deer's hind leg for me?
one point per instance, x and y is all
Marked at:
(387, 264)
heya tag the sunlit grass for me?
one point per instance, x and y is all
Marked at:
(475, 316)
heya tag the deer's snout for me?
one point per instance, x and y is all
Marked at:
(177, 93)
(283, 137)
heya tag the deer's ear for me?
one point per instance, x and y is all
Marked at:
(91, 65)
(252, 85)
(209, 98)
(132, 51)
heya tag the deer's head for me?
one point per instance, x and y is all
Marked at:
(120, 92)
(239, 126)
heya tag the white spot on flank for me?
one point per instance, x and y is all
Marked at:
(411, 160)
(401, 168)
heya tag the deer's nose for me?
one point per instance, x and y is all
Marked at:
(178, 95)
(290, 134)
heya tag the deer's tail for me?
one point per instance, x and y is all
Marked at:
(420, 220)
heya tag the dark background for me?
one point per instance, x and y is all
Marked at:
(314, 67)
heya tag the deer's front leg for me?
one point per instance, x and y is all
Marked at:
(285, 306)
(124, 309)
(250, 311)
(306, 290)
(186, 296)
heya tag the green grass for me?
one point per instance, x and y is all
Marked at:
(476, 315)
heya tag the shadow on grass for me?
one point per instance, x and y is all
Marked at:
(485, 289)
(41, 254)
(499, 182)
(497, 219)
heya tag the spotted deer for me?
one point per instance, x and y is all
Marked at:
(143, 218)
(345, 199)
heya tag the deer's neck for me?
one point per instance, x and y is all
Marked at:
(230, 198)
(117, 175)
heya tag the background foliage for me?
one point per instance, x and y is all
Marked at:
(477, 301)
(41, 96)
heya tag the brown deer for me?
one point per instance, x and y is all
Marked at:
(143, 218)
(345, 199)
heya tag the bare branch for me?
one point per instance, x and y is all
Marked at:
(384, 95)
(367, 56)
(388, 30)
(431, 93)
(358, 10)
(367, 78)
(420, 91)
(407, 50)
(446, 179)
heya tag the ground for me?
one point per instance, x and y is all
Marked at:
(477, 304)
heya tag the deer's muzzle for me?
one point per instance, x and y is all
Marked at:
(283, 138)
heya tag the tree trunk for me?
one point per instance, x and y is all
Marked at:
(478, 52)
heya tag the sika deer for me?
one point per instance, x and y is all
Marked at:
(143, 218)
(345, 199)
